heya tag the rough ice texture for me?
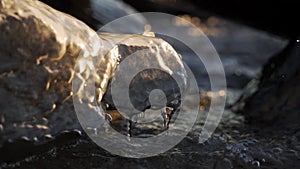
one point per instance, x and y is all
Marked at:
(38, 49)
(142, 52)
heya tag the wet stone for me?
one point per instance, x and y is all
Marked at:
(277, 98)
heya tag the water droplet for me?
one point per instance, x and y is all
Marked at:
(256, 163)
(25, 138)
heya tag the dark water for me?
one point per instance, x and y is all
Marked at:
(233, 145)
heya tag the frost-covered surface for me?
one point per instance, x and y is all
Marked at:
(37, 60)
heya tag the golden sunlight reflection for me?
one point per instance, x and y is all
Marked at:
(48, 136)
(42, 127)
(205, 98)
(209, 27)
